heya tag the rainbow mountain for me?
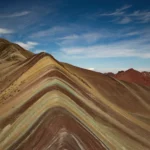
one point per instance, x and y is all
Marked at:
(49, 105)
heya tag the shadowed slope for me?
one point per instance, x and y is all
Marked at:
(12, 52)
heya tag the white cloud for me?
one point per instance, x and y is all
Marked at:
(124, 7)
(125, 17)
(61, 32)
(92, 69)
(127, 43)
(133, 33)
(117, 12)
(126, 48)
(69, 37)
(141, 16)
(98, 51)
(27, 45)
(90, 38)
(87, 38)
(5, 31)
(17, 14)
(49, 32)
(125, 20)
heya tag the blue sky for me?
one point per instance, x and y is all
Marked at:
(103, 35)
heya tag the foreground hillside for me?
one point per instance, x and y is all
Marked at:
(49, 105)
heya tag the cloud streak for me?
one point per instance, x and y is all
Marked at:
(17, 14)
(117, 12)
(138, 47)
(28, 45)
(5, 31)
(58, 32)
(103, 51)
(90, 38)
(87, 38)
(124, 17)
(49, 32)
(125, 20)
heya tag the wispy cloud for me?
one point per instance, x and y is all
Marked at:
(87, 38)
(124, 17)
(120, 43)
(99, 36)
(69, 37)
(103, 51)
(57, 32)
(117, 12)
(5, 31)
(28, 45)
(49, 32)
(133, 33)
(141, 16)
(125, 20)
(16, 14)
(137, 47)
(124, 8)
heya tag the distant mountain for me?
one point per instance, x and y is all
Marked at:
(110, 74)
(146, 74)
(132, 76)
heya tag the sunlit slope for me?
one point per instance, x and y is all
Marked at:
(52, 105)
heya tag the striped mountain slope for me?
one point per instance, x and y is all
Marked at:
(49, 105)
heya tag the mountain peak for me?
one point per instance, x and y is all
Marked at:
(131, 70)
(4, 41)
(12, 52)
(134, 76)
